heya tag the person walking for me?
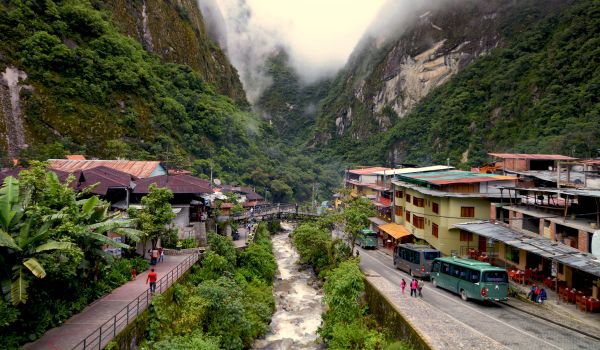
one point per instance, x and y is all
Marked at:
(152, 277)
(403, 285)
(154, 256)
(413, 288)
(133, 273)
(420, 287)
(161, 252)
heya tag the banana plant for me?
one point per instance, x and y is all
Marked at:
(25, 244)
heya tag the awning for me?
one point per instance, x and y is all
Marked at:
(541, 246)
(395, 230)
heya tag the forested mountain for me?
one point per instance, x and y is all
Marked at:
(467, 78)
(139, 80)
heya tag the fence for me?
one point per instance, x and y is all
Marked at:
(109, 329)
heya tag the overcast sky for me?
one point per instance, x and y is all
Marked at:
(320, 33)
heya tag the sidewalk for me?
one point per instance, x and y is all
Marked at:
(79, 326)
(561, 313)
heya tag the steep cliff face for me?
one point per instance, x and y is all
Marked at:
(175, 30)
(387, 77)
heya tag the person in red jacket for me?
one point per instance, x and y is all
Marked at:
(152, 277)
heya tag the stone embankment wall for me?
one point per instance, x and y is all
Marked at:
(390, 317)
(417, 322)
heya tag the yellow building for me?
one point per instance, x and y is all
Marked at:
(429, 202)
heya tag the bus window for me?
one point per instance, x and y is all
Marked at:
(456, 271)
(416, 258)
(474, 278)
(436, 266)
(446, 268)
(431, 255)
(495, 276)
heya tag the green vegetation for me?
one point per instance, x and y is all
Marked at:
(536, 93)
(155, 214)
(52, 262)
(98, 92)
(225, 304)
(346, 324)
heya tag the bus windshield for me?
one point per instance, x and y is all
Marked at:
(495, 276)
(431, 255)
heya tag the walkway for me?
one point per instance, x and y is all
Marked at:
(106, 317)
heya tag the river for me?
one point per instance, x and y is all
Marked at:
(298, 299)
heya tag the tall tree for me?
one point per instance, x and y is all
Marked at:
(155, 215)
(356, 217)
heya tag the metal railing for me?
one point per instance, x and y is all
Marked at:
(277, 209)
(109, 329)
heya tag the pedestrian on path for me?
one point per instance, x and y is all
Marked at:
(154, 256)
(413, 288)
(152, 277)
(162, 254)
(403, 285)
(420, 287)
(133, 273)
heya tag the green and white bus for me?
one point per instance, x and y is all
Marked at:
(366, 238)
(471, 279)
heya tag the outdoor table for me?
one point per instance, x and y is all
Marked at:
(549, 282)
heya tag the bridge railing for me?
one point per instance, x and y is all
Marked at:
(276, 209)
(109, 329)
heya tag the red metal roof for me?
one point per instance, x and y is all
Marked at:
(75, 157)
(531, 156)
(367, 171)
(105, 178)
(137, 168)
(591, 161)
(175, 183)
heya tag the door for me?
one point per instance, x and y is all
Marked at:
(482, 244)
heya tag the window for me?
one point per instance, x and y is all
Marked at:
(435, 208)
(467, 212)
(431, 255)
(418, 221)
(495, 276)
(399, 194)
(465, 236)
(418, 202)
(408, 198)
(474, 278)
(436, 266)
(399, 211)
(435, 230)
(407, 216)
(446, 268)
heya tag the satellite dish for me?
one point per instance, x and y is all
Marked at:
(217, 182)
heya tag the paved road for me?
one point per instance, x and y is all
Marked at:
(510, 327)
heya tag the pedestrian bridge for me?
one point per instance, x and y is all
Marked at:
(288, 212)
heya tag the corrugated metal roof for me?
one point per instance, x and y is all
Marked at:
(443, 194)
(138, 168)
(531, 156)
(414, 170)
(75, 157)
(453, 176)
(535, 244)
(105, 178)
(367, 171)
(176, 183)
(377, 221)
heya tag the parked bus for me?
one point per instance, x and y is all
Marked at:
(416, 259)
(367, 238)
(471, 279)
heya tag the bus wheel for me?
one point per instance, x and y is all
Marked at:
(434, 282)
(463, 295)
